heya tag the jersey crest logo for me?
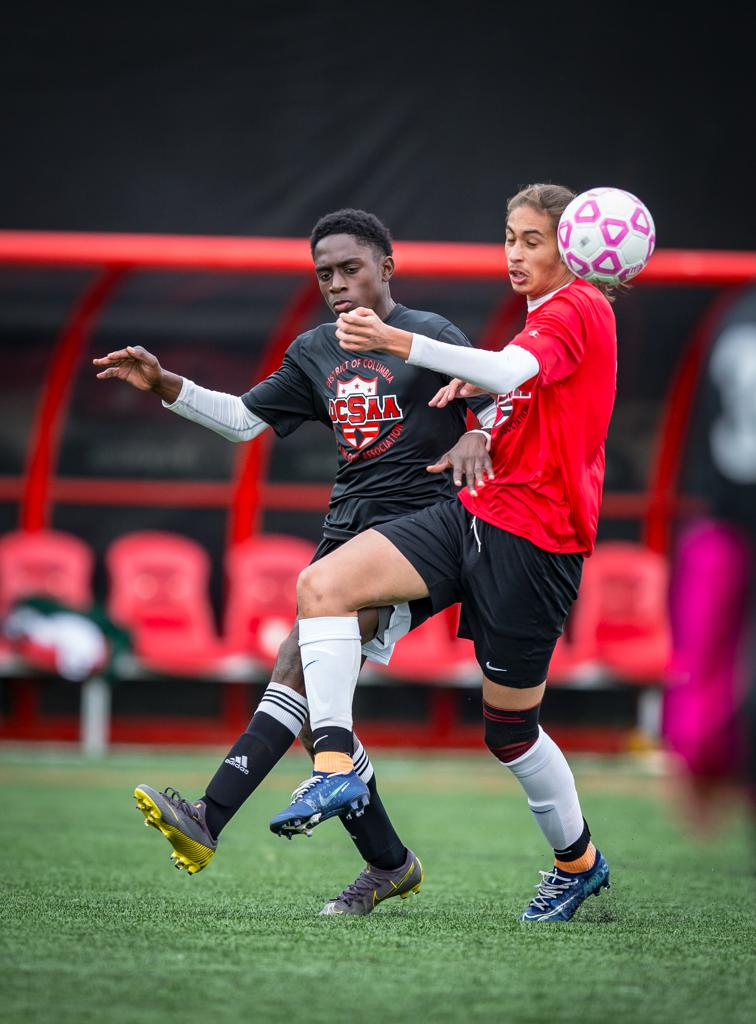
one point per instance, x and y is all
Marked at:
(505, 404)
(359, 410)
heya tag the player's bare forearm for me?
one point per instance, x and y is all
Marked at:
(141, 369)
(363, 331)
(169, 387)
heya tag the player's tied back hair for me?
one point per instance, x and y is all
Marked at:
(550, 199)
(358, 223)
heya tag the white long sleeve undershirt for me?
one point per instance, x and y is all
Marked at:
(487, 417)
(227, 415)
(496, 372)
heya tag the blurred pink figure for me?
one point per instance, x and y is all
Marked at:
(704, 721)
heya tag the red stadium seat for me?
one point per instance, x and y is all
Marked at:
(159, 591)
(261, 607)
(623, 612)
(576, 653)
(572, 659)
(45, 562)
(42, 563)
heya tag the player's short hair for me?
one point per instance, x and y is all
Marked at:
(550, 199)
(361, 225)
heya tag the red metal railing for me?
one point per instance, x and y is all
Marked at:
(292, 256)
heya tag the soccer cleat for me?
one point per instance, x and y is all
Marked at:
(322, 796)
(561, 893)
(182, 823)
(374, 885)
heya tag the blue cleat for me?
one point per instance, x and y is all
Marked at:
(323, 796)
(561, 893)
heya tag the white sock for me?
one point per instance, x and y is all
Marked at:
(362, 763)
(285, 705)
(330, 648)
(546, 777)
(290, 709)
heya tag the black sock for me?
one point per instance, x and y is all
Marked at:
(374, 835)
(578, 848)
(250, 759)
(332, 738)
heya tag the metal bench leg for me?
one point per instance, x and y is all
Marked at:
(95, 717)
(650, 712)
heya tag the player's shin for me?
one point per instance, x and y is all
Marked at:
(330, 648)
(274, 727)
(543, 772)
(372, 833)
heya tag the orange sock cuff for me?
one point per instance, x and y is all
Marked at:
(584, 863)
(332, 761)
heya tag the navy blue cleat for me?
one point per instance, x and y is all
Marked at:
(561, 893)
(323, 796)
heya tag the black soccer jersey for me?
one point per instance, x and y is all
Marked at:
(377, 406)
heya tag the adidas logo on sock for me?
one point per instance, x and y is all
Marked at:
(238, 762)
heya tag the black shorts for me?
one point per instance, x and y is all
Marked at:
(515, 596)
(420, 610)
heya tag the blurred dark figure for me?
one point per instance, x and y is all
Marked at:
(710, 703)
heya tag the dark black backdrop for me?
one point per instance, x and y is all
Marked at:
(256, 119)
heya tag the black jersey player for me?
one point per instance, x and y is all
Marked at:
(386, 436)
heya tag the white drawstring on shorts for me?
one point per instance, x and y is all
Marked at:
(474, 528)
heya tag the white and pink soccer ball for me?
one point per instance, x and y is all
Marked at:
(606, 235)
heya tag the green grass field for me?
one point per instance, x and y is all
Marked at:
(96, 925)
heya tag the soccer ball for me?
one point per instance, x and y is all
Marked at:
(606, 235)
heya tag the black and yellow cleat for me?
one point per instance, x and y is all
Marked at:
(374, 885)
(182, 823)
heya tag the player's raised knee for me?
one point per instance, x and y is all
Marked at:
(318, 593)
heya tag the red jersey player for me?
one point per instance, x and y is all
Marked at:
(548, 440)
(510, 549)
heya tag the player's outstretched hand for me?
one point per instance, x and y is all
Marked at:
(468, 460)
(133, 364)
(362, 330)
(456, 388)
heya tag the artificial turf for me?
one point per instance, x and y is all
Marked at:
(95, 925)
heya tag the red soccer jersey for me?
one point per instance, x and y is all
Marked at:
(548, 441)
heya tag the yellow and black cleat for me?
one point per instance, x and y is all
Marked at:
(182, 823)
(374, 885)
